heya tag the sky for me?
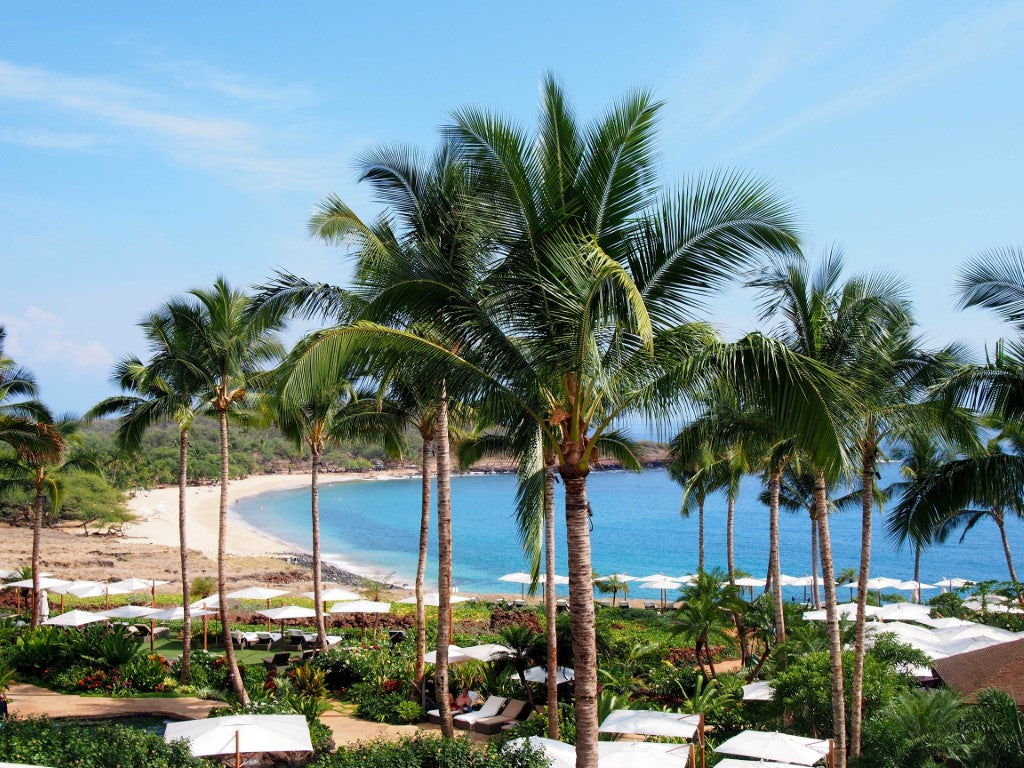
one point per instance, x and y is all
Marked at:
(147, 149)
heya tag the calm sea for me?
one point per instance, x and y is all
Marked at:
(637, 528)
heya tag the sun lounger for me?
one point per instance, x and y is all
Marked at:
(651, 606)
(515, 711)
(242, 639)
(491, 708)
(269, 638)
(278, 662)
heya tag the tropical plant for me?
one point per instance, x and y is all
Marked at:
(523, 647)
(999, 727)
(708, 603)
(917, 729)
(612, 584)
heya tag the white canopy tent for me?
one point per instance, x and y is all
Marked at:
(242, 734)
(540, 675)
(760, 691)
(780, 747)
(650, 723)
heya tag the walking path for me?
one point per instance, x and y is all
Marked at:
(33, 701)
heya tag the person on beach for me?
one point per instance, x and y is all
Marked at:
(464, 703)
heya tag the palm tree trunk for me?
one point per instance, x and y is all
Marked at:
(700, 534)
(774, 567)
(318, 587)
(581, 602)
(37, 537)
(421, 570)
(444, 564)
(917, 568)
(1009, 557)
(549, 596)
(867, 501)
(222, 577)
(835, 648)
(730, 523)
(186, 589)
(815, 584)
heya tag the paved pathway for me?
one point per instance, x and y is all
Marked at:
(33, 701)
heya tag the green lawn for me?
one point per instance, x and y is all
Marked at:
(171, 649)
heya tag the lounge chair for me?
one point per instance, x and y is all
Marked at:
(278, 662)
(519, 603)
(270, 639)
(625, 604)
(491, 708)
(434, 715)
(650, 606)
(515, 711)
(562, 606)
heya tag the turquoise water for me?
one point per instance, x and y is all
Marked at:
(636, 529)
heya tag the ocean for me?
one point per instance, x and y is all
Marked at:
(373, 526)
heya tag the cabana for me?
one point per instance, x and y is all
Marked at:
(242, 735)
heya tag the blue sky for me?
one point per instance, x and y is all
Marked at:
(144, 150)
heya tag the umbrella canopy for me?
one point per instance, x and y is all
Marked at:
(656, 577)
(903, 612)
(791, 581)
(557, 580)
(257, 593)
(845, 610)
(540, 675)
(254, 733)
(5, 574)
(759, 691)
(637, 754)
(139, 585)
(663, 584)
(455, 655)
(75, 619)
(288, 612)
(731, 762)
(618, 576)
(45, 582)
(20, 765)
(333, 595)
(433, 599)
(98, 590)
(517, 578)
(955, 583)
(913, 586)
(360, 606)
(129, 612)
(212, 601)
(487, 651)
(883, 582)
(647, 723)
(770, 745)
(178, 614)
(749, 581)
(66, 587)
(558, 753)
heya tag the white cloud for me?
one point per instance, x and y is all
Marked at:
(39, 337)
(40, 138)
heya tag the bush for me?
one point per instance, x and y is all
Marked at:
(381, 706)
(46, 742)
(310, 681)
(431, 752)
(37, 654)
(145, 673)
(110, 648)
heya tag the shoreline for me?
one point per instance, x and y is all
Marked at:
(157, 513)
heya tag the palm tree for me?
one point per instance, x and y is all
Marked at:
(612, 584)
(524, 646)
(796, 494)
(580, 313)
(692, 472)
(335, 412)
(40, 467)
(229, 342)
(707, 604)
(164, 389)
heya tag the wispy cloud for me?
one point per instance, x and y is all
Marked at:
(40, 138)
(39, 337)
(199, 75)
(238, 146)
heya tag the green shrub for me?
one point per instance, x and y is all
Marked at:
(110, 648)
(144, 673)
(71, 745)
(310, 681)
(431, 752)
(41, 652)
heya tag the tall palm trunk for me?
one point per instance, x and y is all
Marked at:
(730, 524)
(318, 587)
(917, 568)
(37, 537)
(421, 570)
(549, 597)
(835, 647)
(1001, 523)
(444, 564)
(581, 603)
(774, 567)
(222, 577)
(815, 584)
(867, 501)
(700, 534)
(186, 589)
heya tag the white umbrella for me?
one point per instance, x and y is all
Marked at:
(626, 754)
(845, 611)
(759, 691)
(903, 612)
(140, 585)
(557, 580)
(882, 582)
(99, 590)
(178, 614)
(648, 723)
(257, 593)
(619, 576)
(791, 581)
(238, 734)
(656, 577)
(288, 612)
(333, 595)
(455, 655)
(664, 585)
(360, 606)
(129, 612)
(558, 753)
(45, 582)
(211, 601)
(7, 574)
(955, 583)
(540, 675)
(731, 762)
(749, 581)
(520, 578)
(20, 765)
(487, 651)
(75, 619)
(770, 745)
(433, 599)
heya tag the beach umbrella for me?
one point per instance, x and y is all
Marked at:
(360, 606)
(75, 618)
(129, 612)
(286, 612)
(520, 578)
(662, 584)
(657, 577)
(487, 651)
(882, 582)
(178, 614)
(242, 734)
(563, 580)
(455, 655)
(649, 723)
(639, 754)
(4, 574)
(903, 612)
(433, 599)
(619, 576)
(142, 585)
(45, 582)
(759, 691)
(731, 762)
(21, 765)
(750, 582)
(846, 611)
(333, 595)
(540, 675)
(558, 753)
(99, 590)
(913, 587)
(209, 602)
(258, 593)
(771, 745)
(953, 583)
(62, 589)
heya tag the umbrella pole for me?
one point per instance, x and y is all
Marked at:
(61, 603)
(831, 759)
(703, 756)
(204, 632)
(268, 618)
(152, 627)
(691, 761)
(238, 753)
